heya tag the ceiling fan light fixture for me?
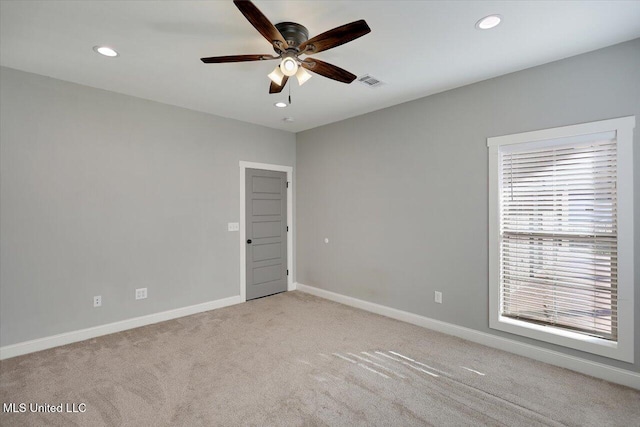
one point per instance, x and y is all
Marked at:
(289, 66)
(290, 40)
(281, 104)
(276, 76)
(488, 22)
(302, 75)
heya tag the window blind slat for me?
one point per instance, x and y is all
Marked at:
(533, 294)
(525, 300)
(567, 276)
(602, 146)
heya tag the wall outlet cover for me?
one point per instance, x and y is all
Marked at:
(141, 293)
(97, 301)
(438, 297)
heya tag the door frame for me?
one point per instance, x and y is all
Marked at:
(243, 220)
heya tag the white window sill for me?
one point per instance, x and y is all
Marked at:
(593, 345)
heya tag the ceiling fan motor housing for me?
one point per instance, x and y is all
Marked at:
(294, 34)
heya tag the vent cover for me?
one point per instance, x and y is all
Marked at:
(370, 81)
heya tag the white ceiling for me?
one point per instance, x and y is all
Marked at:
(416, 47)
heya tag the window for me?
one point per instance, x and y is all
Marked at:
(561, 236)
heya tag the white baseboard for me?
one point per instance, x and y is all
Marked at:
(110, 328)
(598, 370)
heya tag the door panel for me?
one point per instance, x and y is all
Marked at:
(266, 229)
(267, 274)
(267, 184)
(267, 251)
(266, 207)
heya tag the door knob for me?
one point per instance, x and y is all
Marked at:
(249, 241)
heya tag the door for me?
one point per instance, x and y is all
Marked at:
(266, 232)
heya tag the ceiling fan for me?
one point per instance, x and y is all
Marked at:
(289, 41)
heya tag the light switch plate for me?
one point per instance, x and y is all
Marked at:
(233, 226)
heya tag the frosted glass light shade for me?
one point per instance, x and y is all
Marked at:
(302, 75)
(289, 66)
(276, 76)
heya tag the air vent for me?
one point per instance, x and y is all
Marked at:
(370, 81)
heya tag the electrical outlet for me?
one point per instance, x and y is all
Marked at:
(97, 301)
(438, 297)
(141, 293)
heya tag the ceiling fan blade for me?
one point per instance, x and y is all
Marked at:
(261, 23)
(335, 37)
(274, 88)
(327, 70)
(236, 58)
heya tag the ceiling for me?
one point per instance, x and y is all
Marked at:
(416, 47)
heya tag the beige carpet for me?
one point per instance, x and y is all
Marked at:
(294, 359)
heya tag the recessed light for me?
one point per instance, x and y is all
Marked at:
(488, 22)
(106, 51)
(280, 104)
(288, 119)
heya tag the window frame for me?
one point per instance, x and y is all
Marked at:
(623, 349)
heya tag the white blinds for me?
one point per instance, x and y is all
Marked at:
(558, 236)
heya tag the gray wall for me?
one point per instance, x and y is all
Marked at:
(102, 193)
(401, 193)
